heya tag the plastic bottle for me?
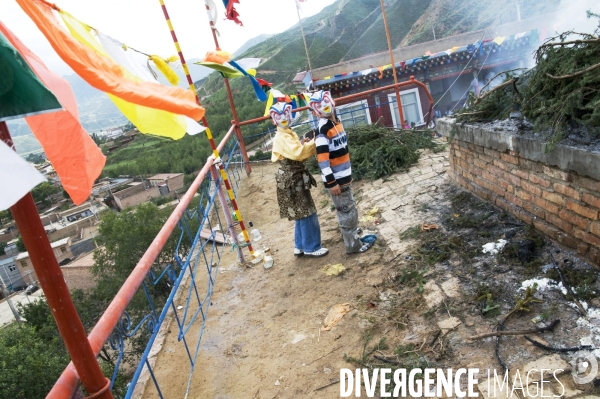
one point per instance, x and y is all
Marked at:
(255, 233)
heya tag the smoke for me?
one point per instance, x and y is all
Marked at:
(572, 15)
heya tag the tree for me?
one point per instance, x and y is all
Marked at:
(21, 245)
(2, 246)
(36, 158)
(6, 214)
(43, 191)
(33, 356)
(126, 236)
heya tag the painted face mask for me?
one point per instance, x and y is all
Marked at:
(322, 103)
(281, 114)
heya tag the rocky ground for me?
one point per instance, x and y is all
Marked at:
(414, 299)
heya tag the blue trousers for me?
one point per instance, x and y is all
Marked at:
(307, 236)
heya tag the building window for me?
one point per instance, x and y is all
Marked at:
(63, 249)
(24, 263)
(354, 114)
(12, 268)
(411, 107)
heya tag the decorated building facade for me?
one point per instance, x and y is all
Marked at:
(450, 68)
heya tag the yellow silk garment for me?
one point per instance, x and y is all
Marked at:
(286, 144)
(148, 120)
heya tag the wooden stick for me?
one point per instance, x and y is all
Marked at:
(324, 355)
(326, 385)
(549, 327)
(571, 42)
(507, 83)
(573, 74)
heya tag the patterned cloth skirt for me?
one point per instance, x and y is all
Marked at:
(293, 190)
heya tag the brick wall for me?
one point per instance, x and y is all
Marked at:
(559, 193)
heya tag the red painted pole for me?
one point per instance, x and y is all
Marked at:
(56, 291)
(236, 121)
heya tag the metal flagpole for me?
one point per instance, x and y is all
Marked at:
(387, 34)
(208, 133)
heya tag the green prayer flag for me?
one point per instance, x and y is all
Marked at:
(21, 92)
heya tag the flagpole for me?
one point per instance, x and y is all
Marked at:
(387, 34)
(304, 39)
(236, 122)
(208, 133)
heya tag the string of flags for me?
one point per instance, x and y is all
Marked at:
(48, 104)
(472, 48)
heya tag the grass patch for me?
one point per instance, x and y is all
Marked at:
(411, 233)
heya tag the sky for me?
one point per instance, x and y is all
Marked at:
(141, 24)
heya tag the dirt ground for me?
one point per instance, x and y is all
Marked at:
(415, 297)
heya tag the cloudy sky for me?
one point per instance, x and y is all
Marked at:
(141, 24)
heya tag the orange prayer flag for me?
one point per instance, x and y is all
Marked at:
(104, 73)
(76, 158)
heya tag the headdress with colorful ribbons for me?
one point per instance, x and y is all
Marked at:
(275, 96)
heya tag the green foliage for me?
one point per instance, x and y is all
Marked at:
(29, 364)
(260, 156)
(563, 91)
(2, 246)
(558, 95)
(36, 158)
(150, 155)
(376, 151)
(20, 244)
(126, 237)
(43, 191)
(5, 215)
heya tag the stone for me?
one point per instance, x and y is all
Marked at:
(549, 362)
(433, 294)
(497, 394)
(449, 324)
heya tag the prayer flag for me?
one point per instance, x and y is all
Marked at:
(104, 73)
(76, 158)
(17, 175)
(231, 12)
(21, 92)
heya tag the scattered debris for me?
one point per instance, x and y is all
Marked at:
(429, 226)
(370, 215)
(448, 325)
(335, 315)
(549, 327)
(494, 247)
(537, 319)
(333, 270)
(268, 262)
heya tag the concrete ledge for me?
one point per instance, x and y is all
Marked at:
(568, 159)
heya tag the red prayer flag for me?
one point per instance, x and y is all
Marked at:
(230, 11)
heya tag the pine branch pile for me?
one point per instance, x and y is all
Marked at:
(560, 93)
(377, 151)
